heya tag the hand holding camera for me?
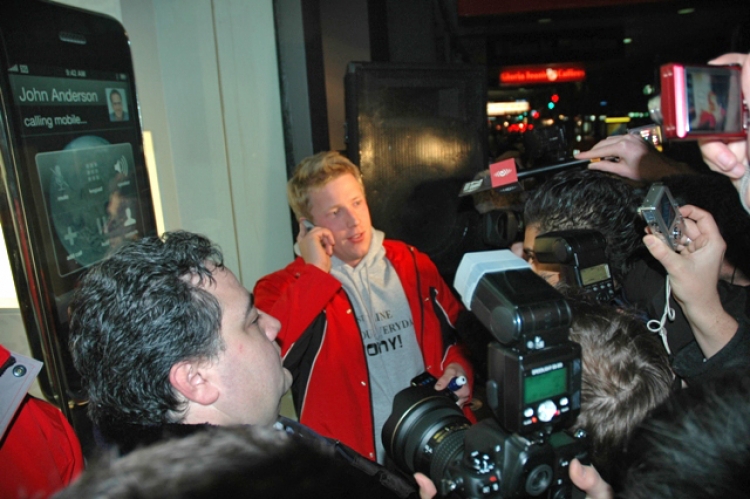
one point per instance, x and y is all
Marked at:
(451, 379)
(534, 392)
(693, 276)
(663, 216)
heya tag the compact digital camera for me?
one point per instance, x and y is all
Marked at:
(700, 102)
(533, 389)
(662, 214)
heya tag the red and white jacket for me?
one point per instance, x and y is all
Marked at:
(322, 345)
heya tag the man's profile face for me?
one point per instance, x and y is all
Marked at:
(248, 372)
(340, 206)
(116, 100)
(549, 272)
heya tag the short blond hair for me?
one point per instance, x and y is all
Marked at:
(313, 172)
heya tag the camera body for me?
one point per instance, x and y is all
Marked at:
(582, 258)
(533, 388)
(700, 102)
(428, 432)
(497, 463)
(529, 392)
(662, 214)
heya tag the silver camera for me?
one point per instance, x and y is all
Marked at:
(662, 214)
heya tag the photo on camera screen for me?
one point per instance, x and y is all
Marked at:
(668, 212)
(713, 99)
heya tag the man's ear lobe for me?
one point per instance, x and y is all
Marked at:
(190, 379)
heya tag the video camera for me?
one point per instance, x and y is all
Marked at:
(533, 389)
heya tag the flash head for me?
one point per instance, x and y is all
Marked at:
(517, 306)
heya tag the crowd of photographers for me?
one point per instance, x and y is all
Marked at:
(694, 444)
(172, 348)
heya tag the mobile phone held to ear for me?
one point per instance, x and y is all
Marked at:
(72, 162)
(308, 224)
(662, 214)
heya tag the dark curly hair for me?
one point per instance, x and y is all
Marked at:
(588, 199)
(136, 314)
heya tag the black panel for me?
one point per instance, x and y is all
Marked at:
(418, 132)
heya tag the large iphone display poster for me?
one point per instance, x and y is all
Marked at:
(81, 176)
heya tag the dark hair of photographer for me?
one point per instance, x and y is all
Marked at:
(142, 312)
(230, 461)
(587, 199)
(693, 446)
(625, 375)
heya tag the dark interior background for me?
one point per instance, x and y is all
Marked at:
(619, 43)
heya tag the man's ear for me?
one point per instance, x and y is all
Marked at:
(191, 380)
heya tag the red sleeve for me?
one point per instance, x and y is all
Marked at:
(40, 454)
(295, 296)
(449, 303)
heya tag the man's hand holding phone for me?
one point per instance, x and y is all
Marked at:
(315, 245)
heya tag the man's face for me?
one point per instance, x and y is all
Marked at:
(248, 371)
(548, 271)
(116, 102)
(340, 207)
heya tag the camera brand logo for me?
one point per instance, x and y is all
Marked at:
(503, 172)
(549, 367)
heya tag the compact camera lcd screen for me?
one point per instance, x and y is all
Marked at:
(544, 386)
(667, 210)
(713, 100)
(595, 274)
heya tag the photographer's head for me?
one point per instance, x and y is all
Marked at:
(162, 332)
(327, 189)
(238, 461)
(585, 199)
(626, 374)
(693, 446)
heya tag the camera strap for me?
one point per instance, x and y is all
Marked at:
(658, 326)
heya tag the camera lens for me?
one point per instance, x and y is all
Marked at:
(501, 228)
(424, 432)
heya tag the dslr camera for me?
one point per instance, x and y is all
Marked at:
(533, 389)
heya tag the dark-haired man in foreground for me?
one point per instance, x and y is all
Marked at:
(169, 343)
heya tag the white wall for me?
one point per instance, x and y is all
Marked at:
(208, 85)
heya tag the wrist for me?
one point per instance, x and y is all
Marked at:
(713, 328)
